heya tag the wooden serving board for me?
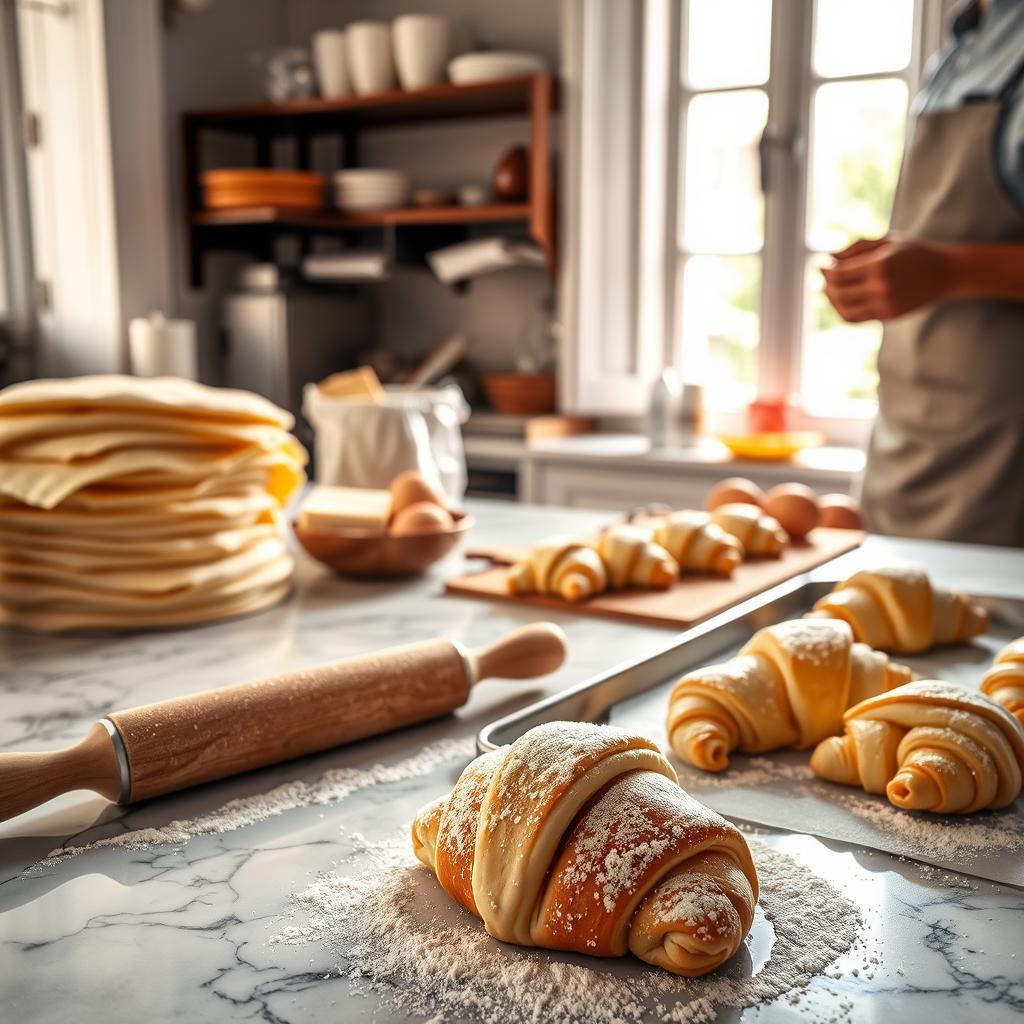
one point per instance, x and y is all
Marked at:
(692, 599)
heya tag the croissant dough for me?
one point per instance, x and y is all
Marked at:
(559, 565)
(929, 746)
(1004, 681)
(696, 542)
(632, 559)
(760, 535)
(578, 837)
(897, 609)
(787, 687)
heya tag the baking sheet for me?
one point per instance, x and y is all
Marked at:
(779, 789)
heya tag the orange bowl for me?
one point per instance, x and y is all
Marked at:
(378, 556)
(520, 394)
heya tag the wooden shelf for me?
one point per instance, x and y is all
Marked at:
(397, 106)
(254, 230)
(339, 221)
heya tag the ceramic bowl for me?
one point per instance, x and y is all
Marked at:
(493, 66)
(352, 553)
(521, 394)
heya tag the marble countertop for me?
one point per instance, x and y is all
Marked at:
(181, 931)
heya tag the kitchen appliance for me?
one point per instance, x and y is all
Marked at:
(278, 341)
(160, 748)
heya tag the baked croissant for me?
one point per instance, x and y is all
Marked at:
(898, 609)
(695, 542)
(788, 687)
(578, 837)
(760, 534)
(632, 559)
(929, 746)
(1004, 681)
(562, 566)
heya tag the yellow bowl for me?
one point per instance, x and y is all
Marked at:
(771, 446)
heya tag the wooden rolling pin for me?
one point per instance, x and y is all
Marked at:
(158, 748)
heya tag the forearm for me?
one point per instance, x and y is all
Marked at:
(985, 271)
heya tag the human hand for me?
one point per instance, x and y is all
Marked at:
(882, 278)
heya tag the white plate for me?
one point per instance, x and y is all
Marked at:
(492, 66)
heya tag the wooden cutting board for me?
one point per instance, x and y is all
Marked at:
(692, 599)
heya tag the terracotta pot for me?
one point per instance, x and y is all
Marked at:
(510, 180)
(521, 394)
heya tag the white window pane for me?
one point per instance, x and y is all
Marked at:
(723, 208)
(856, 145)
(838, 372)
(720, 320)
(860, 37)
(727, 43)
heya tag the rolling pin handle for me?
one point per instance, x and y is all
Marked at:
(528, 652)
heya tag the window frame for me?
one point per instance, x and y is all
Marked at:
(786, 148)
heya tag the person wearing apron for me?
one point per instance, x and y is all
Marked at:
(946, 457)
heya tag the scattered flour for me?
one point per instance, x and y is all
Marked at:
(395, 933)
(331, 787)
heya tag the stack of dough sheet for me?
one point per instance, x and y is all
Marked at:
(129, 503)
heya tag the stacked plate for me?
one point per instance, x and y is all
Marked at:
(235, 188)
(129, 503)
(363, 189)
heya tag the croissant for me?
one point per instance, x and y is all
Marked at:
(1004, 681)
(562, 566)
(929, 746)
(632, 559)
(578, 837)
(898, 609)
(696, 543)
(759, 534)
(788, 687)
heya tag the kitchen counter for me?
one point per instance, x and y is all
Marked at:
(181, 931)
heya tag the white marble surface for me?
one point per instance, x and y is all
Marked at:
(180, 932)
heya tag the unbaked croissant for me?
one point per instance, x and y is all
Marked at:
(1004, 681)
(578, 837)
(695, 542)
(632, 559)
(898, 609)
(788, 687)
(559, 565)
(929, 746)
(760, 534)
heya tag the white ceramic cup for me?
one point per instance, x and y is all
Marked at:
(159, 347)
(371, 66)
(422, 43)
(331, 64)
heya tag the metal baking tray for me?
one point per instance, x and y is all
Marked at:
(778, 789)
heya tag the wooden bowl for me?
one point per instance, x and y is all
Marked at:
(377, 556)
(521, 394)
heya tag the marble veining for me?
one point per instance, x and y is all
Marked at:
(181, 932)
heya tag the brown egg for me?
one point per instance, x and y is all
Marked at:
(796, 508)
(840, 512)
(410, 488)
(735, 489)
(423, 517)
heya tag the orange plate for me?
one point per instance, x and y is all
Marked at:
(771, 446)
(234, 177)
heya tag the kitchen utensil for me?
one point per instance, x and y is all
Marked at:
(521, 393)
(330, 63)
(771, 447)
(441, 358)
(421, 47)
(163, 348)
(355, 553)
(492, 66)
(634, 696)
(160, 748)
(510, 180)
(693, 599)
(371, 67)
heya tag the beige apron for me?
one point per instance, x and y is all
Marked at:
(946, 459)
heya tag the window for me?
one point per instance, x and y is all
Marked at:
(790, 134)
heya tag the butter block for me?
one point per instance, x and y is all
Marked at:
(361, 384)
(349, 508)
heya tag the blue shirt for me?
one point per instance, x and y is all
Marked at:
(983, 57)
